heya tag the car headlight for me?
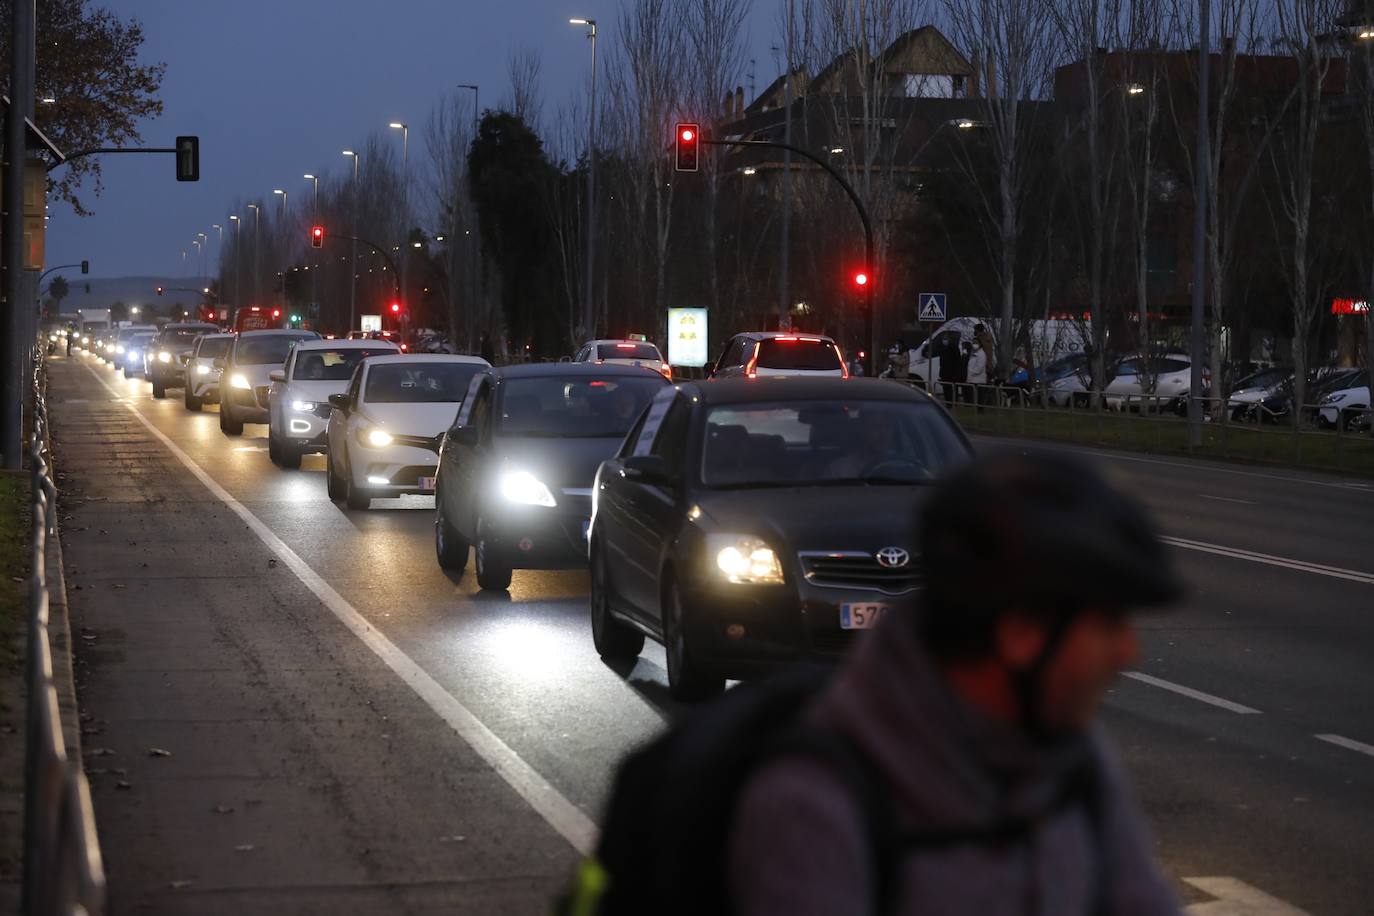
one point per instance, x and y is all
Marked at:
(375, 438)
(308, 406)
(1334, 398)
(85, 340)
(119, 348)
(524, 488)
(744, 559)
(239, 381)
(202, 370)
(164, 357)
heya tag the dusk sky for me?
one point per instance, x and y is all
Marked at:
(278, 89)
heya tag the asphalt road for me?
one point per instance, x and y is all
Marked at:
(1220, 726)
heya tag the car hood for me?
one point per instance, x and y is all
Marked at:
(426, 421)
(858, 517)
(316, 390)
(257, 376)
(561, 463)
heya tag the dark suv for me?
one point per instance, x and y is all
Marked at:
(165, 361)
(245, 379)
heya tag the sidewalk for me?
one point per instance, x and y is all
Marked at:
(246, 752)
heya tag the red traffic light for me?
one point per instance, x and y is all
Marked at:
(395, 308)
(276, 313)
(687, 147)
(317, 237)
(861, 279)
(159, 290)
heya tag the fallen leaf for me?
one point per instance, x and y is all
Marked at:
(224, 809)
(178, 885)
(158, 752)
(244, 847)
(118, 586)
(100, 752)
(123, 785)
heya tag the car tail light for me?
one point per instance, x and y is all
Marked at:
(667, 371)
(751, 367)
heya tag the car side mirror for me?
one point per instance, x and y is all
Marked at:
(465, 435)
(652, 469)
(218, 363)
(341, 401)
(277, 375)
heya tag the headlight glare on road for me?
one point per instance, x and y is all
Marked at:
(746, 560)
(378, 438)
(524, 488)
(164, 357)
(239, 381)
(202, 370)
(305, 407)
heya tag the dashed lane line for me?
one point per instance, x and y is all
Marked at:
(1189, 692)
(1236, 553)
(1349, 744)
(561, 814)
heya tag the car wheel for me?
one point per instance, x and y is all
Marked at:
(159, 390)
(192, 402)
(354, 497)
(686, 680)
(289, 456)
(227, 424)
(493, 570)
(331, 480)
(612, 638)
(450, 547)
(273, 449)
(127, 373)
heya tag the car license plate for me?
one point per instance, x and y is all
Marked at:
(586, 528)
(861, 616)
(427, 484)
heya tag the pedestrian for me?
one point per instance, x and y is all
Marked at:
(951, 356)
(487, 351)
(951, 764)
(978, 373)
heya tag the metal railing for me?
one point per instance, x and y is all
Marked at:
(63, 871)
(1321, 437)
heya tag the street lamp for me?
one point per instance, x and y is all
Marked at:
(588, 285)
(474, 276)
(257, 253)
(405, 196)
(238, 258)
(353, 258)
(315, 219)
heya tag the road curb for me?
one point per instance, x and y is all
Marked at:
(60, 630)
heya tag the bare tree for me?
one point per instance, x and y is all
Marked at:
(448, 137)
(1015, 40)
(1301, 30)
(526, 98)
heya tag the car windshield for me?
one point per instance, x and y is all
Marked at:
(627, 351)
(333, 365)
(139, 341)
(181, 337)
(805, 353)
(419, 382)
(1265, 378)
(820, 443)
(580, 407)
(261, 351)
(213, 347)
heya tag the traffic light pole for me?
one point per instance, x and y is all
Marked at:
(395, 276)
(863, 218)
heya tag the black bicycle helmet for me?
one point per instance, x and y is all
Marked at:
(1042, 534)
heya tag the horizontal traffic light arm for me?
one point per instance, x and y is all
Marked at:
(395, 274)
(193, 174)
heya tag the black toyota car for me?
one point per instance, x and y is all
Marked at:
(751, 523)
(516, 468)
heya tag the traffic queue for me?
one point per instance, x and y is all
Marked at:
(744, 521)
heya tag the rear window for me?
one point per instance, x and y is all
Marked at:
(418, 382)
(214, 347)
(798, 353)
(628, 351)
(262, 351)
(334, 365)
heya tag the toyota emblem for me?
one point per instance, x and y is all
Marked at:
(893, 557)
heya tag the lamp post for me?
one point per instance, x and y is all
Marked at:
(475, 279)
(314, 219)
(589, 327)
(257, 259)
(405, 205)
(285, 213)
(238, 258)
(353, 258)
(204, 254)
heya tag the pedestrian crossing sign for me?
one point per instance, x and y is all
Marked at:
(931, 307)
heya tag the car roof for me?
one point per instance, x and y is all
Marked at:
(263, 332)
(546, 370)
(774, 335)
(220, 334)
(325, 343)
(802, 388)
(619, 340)
(179, 325)
(410, 358)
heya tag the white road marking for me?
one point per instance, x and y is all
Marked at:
(1191, 693)
(1348, 743)
(565, 817)
(1237, 553)
(1236, 898)
(1228, 499)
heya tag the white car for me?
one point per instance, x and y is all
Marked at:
(755, 354)
(248, 367)
(384, 431)
(1345, 405)
(134, 347)
(1172, 378)
(624, 353)
(298, 409)
(1255, 389)
(202, 376)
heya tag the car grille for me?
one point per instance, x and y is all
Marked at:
(410, 475)
(262, 392)
(854, 569)
(833, 642)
